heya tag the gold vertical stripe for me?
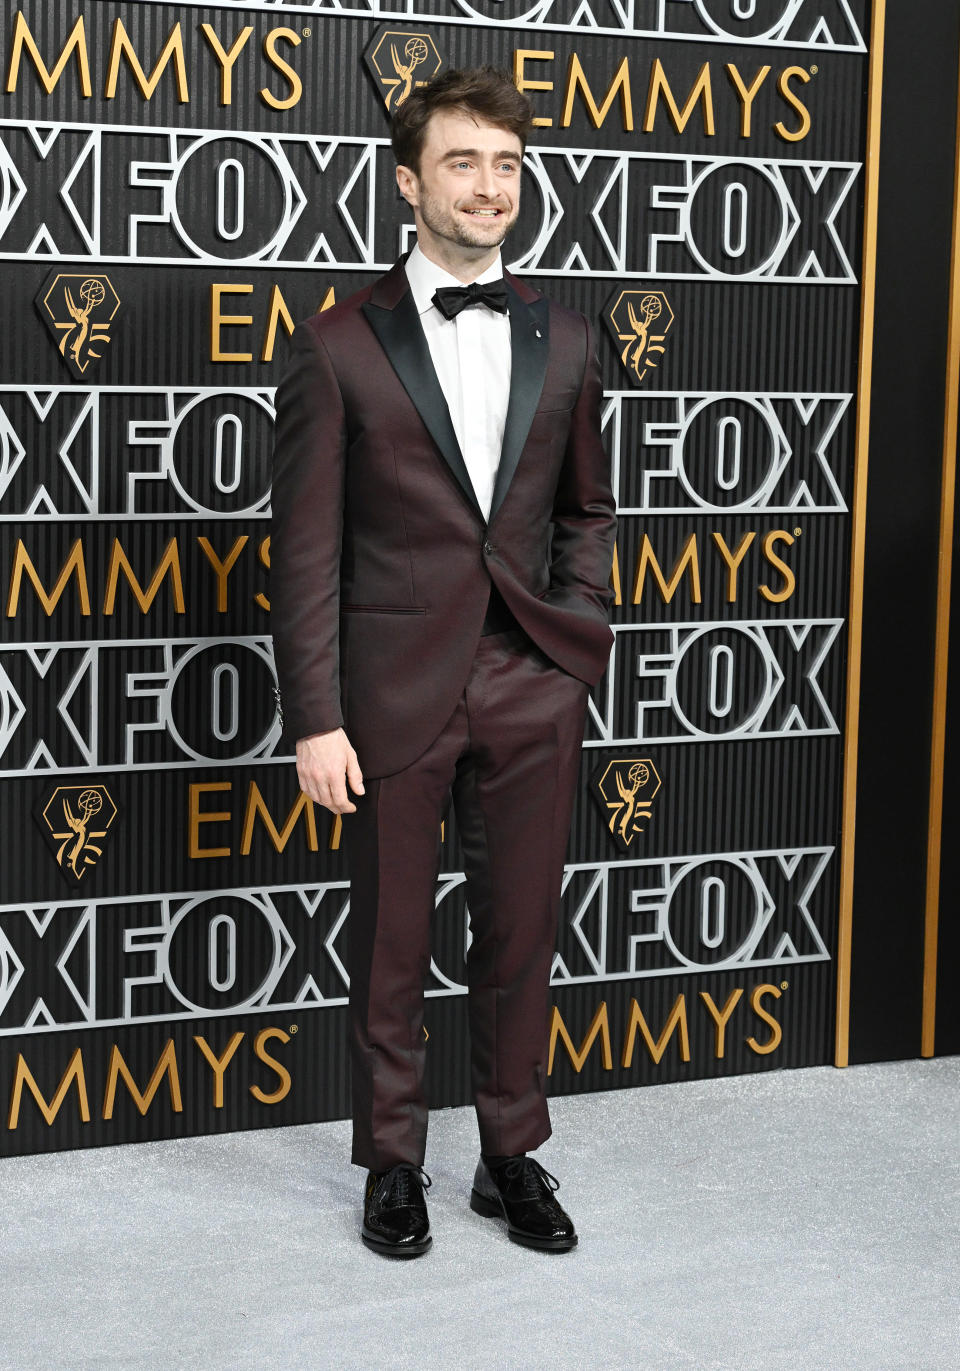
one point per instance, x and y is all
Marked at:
(941, 650)
(855, 622)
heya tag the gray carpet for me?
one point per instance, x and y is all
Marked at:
(793, 1221)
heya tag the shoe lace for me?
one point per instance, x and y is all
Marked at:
(396, 1182)
(532, 1176)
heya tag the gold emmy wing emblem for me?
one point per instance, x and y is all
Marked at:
(78, 815)
(400, 61)
(627, 787)
(79, 310)
(640, 320)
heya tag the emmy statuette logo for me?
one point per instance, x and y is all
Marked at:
(639, 321)
(79, 310)
(626, 789)
(74, 818)
(399, 61)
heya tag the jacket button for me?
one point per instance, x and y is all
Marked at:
(488, 548)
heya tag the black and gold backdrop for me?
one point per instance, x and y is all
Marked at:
(178, 184)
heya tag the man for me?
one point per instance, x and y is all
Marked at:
(441, 548)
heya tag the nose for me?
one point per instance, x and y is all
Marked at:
(485, 183)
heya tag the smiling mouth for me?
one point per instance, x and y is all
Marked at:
(483, 213)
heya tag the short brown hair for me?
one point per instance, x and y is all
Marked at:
(486, 92)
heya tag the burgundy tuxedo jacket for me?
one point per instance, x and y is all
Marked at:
(380, 557)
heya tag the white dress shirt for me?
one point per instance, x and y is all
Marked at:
(471, 355)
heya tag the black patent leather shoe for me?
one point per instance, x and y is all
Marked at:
(519, 1190)
(395, 1219)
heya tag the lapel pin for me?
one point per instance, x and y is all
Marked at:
(538, 333)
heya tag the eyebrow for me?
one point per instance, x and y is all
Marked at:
(512, 154)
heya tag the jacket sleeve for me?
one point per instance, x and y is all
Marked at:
(584, 521)
(305, 539)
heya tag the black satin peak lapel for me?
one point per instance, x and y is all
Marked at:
(402, 338)
(529, 350)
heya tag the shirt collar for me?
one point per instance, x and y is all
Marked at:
(425, 277)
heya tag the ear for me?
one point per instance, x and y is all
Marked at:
(408, 184)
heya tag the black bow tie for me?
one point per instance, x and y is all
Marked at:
(450, 300)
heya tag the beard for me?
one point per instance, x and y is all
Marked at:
(455, 227)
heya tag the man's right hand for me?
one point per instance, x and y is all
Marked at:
(325, 763)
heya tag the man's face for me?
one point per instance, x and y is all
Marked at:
(468, 191)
